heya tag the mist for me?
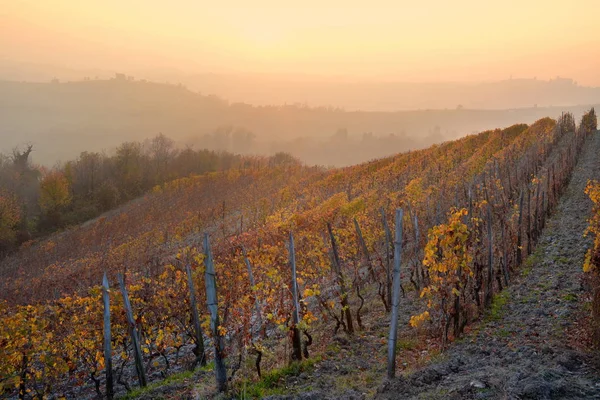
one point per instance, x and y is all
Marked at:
(62, 120)
(329, 87)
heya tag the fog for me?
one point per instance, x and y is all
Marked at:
(351, 94)
(332, 83)
(63, 119)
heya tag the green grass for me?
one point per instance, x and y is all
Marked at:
(570, 297)
(436, 394)
(561, 260)
(503, 333)
(497, 308)
(333, 347)
(169, 380)
(437, 356)
(371, 378)
(533, 259)
(544, 285)
(175, 378)
(271, 382)
(406, 343)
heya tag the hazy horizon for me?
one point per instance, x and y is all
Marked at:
(345, 94)
(464, 41)
(384, 63)
(65, 119)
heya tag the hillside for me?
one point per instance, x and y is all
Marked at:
(349, 93)
(533, 344)
(391, 96)
(261, 197)
(96, 115)
(481, 187)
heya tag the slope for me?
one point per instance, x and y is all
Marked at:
(529, 347)
(255, 201)
(52, 315)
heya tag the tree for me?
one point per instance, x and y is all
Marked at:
(589, 120)
(21, 158)
(128, 163)
(566, 123)
(107, 196)
(162, 152)
(10, 216)
(55, 195)
(282, 158)
(24, 181)
(87, 173)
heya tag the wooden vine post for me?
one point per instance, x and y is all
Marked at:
(520, 232)
(529, 244)
(137, 350)
(490, 271)
(253, 284)
(388, 240)
(296, 339)
(393, 337)
(198, 336)
(505, 271)
(418, 270)
(365, 250)
(536, 219)
(213, 307)
(259, 323)
(340, 278)
(107, 339)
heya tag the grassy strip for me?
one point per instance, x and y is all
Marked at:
(169, 380)
(273, 382)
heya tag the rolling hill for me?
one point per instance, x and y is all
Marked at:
(474, 209)
(97, 115)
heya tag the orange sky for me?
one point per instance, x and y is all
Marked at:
(402, 40)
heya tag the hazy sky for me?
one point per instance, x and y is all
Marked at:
(434, 40)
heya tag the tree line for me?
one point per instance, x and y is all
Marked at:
(35, 200)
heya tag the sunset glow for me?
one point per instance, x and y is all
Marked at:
(407, 41)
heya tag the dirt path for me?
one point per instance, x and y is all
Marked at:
(526, 351)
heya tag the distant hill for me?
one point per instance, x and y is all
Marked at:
(63, 119)
(392, 96)
(351, 94)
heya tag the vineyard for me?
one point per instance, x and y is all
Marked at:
(248, 269)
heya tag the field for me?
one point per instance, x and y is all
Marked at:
(473, 210)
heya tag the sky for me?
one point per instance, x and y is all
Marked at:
(410, 41)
